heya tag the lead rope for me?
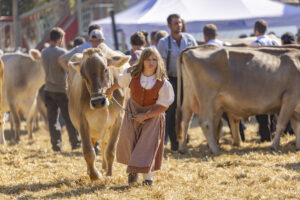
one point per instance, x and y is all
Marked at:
(131, 115)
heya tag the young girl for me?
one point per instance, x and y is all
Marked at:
(141, 142)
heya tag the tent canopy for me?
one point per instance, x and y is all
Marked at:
(151, 15)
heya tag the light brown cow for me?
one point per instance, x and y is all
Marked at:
(243, 82)
(88, 108)
(23, 76)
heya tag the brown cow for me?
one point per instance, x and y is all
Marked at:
(24, 75)
(88, 108)
(243, 82)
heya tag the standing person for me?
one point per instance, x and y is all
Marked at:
(210, 33)
(138, 43)
(64, 59)
(140, 145)
(159, 35)
(266, 122)
(170, 48)
(152, 38)
(55, 91)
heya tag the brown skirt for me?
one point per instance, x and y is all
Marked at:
(141, 146)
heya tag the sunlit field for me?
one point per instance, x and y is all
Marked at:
(31, 170)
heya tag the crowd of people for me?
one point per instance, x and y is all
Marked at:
(152, 79)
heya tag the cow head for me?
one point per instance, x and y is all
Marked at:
(95, 71)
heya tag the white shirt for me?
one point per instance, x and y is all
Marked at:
(165, 94)
(218, 43)
(264, 40)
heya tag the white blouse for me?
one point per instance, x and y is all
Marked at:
(165, 94)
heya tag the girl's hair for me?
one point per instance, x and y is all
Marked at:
(137, 69)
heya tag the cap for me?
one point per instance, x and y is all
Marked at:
(96, 34)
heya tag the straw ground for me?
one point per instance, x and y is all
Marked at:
(31, 170)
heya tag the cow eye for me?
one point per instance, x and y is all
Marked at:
(105, 71)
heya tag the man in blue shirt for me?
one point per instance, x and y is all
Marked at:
(170, 48)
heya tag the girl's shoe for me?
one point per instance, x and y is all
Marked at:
(147, 183)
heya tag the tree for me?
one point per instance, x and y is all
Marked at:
(23, 5)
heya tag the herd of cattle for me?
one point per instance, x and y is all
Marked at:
(240, 80)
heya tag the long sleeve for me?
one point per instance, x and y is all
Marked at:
(124, 79)
(165, 94)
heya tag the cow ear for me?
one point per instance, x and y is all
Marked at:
(75, 62)
(75, 65)
(118, 61)
(35, 54)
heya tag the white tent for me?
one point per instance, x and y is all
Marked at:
(225, 14)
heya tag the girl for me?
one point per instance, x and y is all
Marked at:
(140, 145)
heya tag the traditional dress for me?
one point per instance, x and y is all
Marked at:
(140, 145)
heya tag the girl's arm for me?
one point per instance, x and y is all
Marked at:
(153, 112)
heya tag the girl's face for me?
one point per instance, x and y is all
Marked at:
(150, 64)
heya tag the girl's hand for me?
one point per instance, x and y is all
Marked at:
(140, 117)
(109, 92)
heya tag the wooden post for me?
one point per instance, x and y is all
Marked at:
(79, 16)
(16, 24)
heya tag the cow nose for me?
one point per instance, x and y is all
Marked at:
(98, 102)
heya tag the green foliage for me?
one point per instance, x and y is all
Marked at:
(23, 5)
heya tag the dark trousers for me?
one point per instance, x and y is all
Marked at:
(241, 126)
(170, 117)
(267, 125)
(55, 100)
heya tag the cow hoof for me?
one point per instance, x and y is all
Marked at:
(236, 144)
(275, 147)
(96, 175)
(109, 174)
(184, 151)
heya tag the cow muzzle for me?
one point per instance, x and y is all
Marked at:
(98, 102)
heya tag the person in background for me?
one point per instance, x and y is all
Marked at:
(146, 34)
(152, 38)
(170, 48)
(159, 35)
(288, 38)
(260, 29)
(138, 42)
(141, 141)
(79, 40)
(64, 59)
(267, 123)
(210, 33)
(183, 26)
(55, 91)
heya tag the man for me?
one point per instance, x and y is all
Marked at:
(170, 48)
(94, 42)
(266, 122)
(260, 29)
(55, 91)
(210, 33)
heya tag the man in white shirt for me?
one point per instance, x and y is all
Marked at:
(210, 34)
(260, 29)
(267, 123)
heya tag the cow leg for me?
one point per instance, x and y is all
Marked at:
(2, 137)
(295, 123)
(285, 114)
(209, 132)
(183, 125)
(111, 146)
(88, 150)
(30, 119)
(234, 125)
(16, 121)
(218, 126)
(103, 147)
